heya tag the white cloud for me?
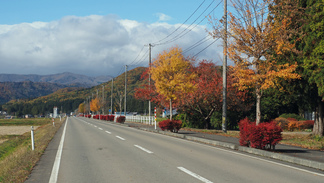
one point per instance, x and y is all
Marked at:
(92, 45)
(163, 17)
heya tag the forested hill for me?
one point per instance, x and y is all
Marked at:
(66, 78)
(26, 90)
(68, 99)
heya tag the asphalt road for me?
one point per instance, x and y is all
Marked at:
(97, 151)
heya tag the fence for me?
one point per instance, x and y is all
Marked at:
(141, 119)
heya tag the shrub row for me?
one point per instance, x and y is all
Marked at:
(172, 125)
(292, 124)
(104, 117)
(262, 136)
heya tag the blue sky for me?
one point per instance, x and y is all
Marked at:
(54, 36)
(18, 11)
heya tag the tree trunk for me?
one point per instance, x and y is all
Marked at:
(258, 106)
(207, 123)
(170, 109)
(318, 128)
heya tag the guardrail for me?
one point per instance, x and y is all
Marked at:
(141, 119)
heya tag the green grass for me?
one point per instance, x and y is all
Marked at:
(11, 143)
(24, 122)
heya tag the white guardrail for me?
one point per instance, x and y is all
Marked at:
(140, 119)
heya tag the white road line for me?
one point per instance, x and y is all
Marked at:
(121, 138)
(142, 148)
(95, 126)
(108, 132)
(195, 175)
(56, 166)
(100, 128)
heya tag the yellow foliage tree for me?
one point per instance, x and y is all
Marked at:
(170, 71)
(254, 40)
(82, 108)
(94, 105)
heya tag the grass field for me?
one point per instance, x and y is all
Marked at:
(25, 122)
(16, 156)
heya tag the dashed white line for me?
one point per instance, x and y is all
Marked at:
(121, 138)
(100, 128)
(95, 126)
(142, 148)
(195, 175)
(108, 132)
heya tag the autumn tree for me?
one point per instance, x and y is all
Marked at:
(148, 92)
(170, 72)
(82, 108)
(207, 98)
(314, 58)
(94, 105)
(252, 34)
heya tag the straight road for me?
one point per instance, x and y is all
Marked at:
(97, 151)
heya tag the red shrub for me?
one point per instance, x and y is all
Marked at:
(172, 125)
(121, 119)
(95, 116)
(308, 124)
(262, 136)
(110, 117)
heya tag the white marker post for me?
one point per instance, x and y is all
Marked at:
(155, 116)
(32, 138)
(53, 122)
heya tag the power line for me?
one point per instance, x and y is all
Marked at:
(206, 47)
(187, 30)
(182, 23)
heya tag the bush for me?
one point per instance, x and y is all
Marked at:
(282, 122)
(172, 125)
(111, 118)
(121, 119)
(292, 115)
(262, 136)
(308, 124)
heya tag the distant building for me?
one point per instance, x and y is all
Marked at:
(55, 112)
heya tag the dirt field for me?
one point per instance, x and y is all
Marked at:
(15, 130)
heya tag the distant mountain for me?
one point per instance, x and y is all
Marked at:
(26, 90)
(70, 98)
(65, 78)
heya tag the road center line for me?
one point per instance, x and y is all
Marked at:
(56, 166)
(100, 128)
(142, 148)
(195, 175)
(120, 138)
(108, 132)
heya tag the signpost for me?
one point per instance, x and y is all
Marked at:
(155, 116)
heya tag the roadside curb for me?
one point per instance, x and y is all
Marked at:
(277, 156)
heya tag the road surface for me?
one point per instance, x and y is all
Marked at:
(98, 151)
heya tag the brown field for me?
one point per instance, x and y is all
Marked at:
(15, 130)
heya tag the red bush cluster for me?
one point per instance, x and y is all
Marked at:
(172, 125)
(96, 116)
(87, 116)
(121, 119)
(262, 136)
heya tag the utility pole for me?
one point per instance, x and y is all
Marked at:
(111, 100)
(103, 100)
(150, 47)
(125, 89)
(224, 116)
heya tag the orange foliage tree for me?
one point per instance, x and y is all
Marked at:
(170, 72)
(95, 105)
(252, 37)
